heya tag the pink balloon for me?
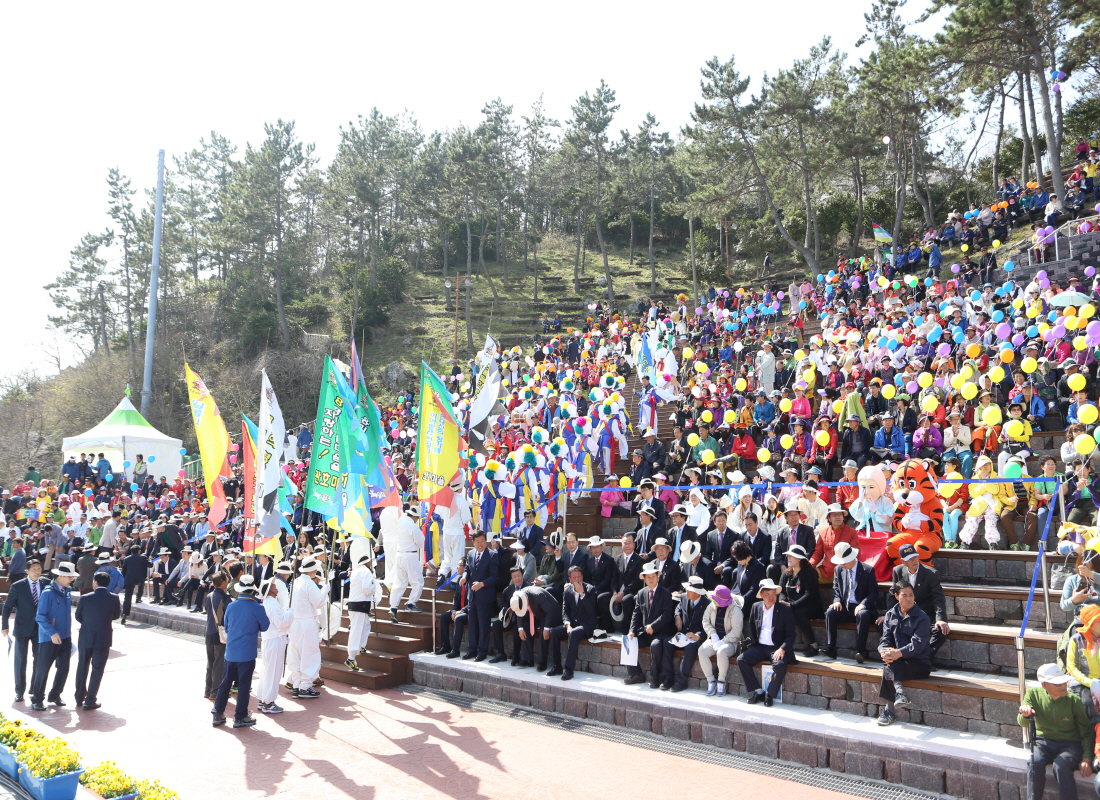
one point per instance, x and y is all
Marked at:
(182, 472)
(232, 459)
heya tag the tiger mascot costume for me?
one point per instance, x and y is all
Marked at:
(918, 518)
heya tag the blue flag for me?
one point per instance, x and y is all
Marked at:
(646, 364)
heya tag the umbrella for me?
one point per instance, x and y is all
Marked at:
(1075, 299)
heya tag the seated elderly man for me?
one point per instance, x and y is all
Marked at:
(744, 578)
(928, 593)
(506, 620)
(770, 631)
(537, 612)
(455, 615)
(1064, 737)
(722, 624)
(689, 622)
(578, 622)
(693, 564)
(855, 599)
(654, 610)
(628, 582)
(904, 649)
(667, 569)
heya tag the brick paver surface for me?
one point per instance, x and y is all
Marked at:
(386, 745)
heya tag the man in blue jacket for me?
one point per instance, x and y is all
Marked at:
(244, 620)
(54, 636)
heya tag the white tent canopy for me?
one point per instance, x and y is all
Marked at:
(121, 437)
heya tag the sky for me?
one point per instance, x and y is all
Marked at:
(97, 85)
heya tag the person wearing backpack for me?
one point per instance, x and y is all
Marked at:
(1081, 588)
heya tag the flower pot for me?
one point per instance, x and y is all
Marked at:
(63, 787)
(133, 796)
(8, 764)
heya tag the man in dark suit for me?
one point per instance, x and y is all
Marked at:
(572, 554)
(531, 535)
(455, 615)
(668, 571)
(855, 599)
(718, 544)
(647, 532)
(505, 619)
(628, 582)
(579, 620)
(693, 564)
(601, 572)
(640, 469)
(481, 578)
(927, 591)
(756, 539)
(794, 533)
(647, 496)
(135, 568)
(770, 632)
(654, 610)
(688, 621)
(745, 574)
(23, 599)
(542, 616)
(94, 612)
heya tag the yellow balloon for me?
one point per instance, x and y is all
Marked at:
(1076, 382)
(838, 406)
(786, 441)
(763, 455)
(992, 415)
(729, 417)
(799, 355)
(693, 439)
(1043, 328)
(969, 391)
(968, 371)
(930, 403)
(1018, 303)
(1029, 365)
(996, 242)
(822, 438)
(965, 247)
(1070, 322)
(882, 281)
(1014, 428)
(741, 384)
(706, 416)
(1088, 310)
(1033, 311)
(625, 483)
(1079, 343)
(957, 382)
(808, 375)
(1088, 414)
(688, 352)
(924, 380)
(707, 457)
(700, 367)
(973, 351)
(785, 404)
(1084, 444)
(888, 391)
(996, 374)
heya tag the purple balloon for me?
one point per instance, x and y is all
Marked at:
(1044, 283)
(911, 387)
(944, 349)
(1041, 274)
(780, 295)
(698, 311)
(726, 293)
(1047, 335)
(955, 268)
(1090, 271)
(1003, 331)
(1093, 328)
(1018, 339)
(942, 383)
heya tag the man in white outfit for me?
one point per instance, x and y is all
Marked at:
(455, 519)
(304, 659)
(360, 596)
(274, 642)
(407, 559)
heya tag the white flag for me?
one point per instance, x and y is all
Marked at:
(269, 457)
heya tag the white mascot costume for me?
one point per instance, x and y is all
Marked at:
(304, 656)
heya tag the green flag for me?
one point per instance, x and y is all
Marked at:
(335, 436)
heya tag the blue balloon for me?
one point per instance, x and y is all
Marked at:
(821, 279)
(1009, 266)
(935, 334)
(1052, 316)
(134, 487)
(125, 464)
(87, 492)
(918, 321)
(1009, 286)
(802, 304)
(975, 295)
(152, 459)
(172, 503)
(958, 336)
(927, 281)
(998, 316)
(1032, 331)
(892, 344)
(183, 451)
(832, 274)
(882, 341)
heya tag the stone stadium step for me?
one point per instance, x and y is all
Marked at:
(365, 678)
(970, 764)
(404, 630)
(396, 664)
(997, 605)
(996, 567)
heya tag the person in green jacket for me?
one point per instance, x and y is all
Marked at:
(706, 442)
(1064, 736)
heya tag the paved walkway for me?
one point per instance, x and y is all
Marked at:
(350, 743)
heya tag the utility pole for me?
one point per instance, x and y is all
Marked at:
(103, 320)
(154, 275)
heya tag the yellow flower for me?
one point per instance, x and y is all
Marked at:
(108, 780)
(47, 758)
(152, 790)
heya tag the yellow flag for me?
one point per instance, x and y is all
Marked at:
(213, 442)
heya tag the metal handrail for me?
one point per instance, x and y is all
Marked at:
(1059, 234)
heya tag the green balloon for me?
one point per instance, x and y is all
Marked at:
(1013, 471)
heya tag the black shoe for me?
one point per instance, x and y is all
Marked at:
(810, 651)
(631, 680)
(19, 698)
(468, 656)
(412, 608)
(92, 706)
(860, 656)
(453, 654)
(654, 684)
(567, 675)
(307, 694)
(55, 701)
(515, 663)
(247, 722)
(441, 650)
(38, 706)
(679, 687)
(393, 615)
(124, 620)
(79, 700)
(666, 685)
(828, 653)
(526, 664)
(768, 701)
(479, 658)
(540, 668)
(554, 672)
(756, 698)
(219, 720)
(294, 693)
(498, 658)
